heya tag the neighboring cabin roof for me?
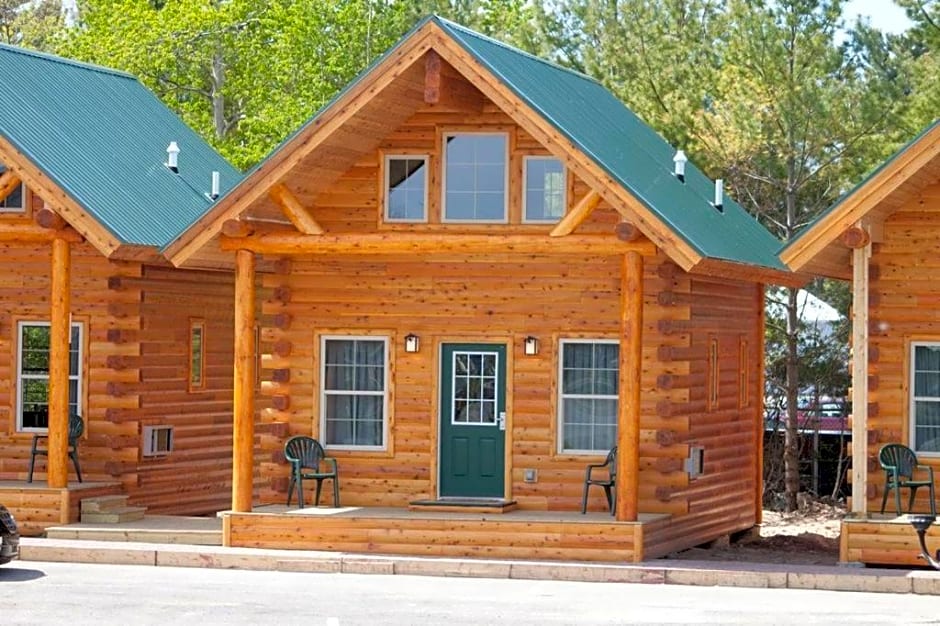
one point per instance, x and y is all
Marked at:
(101, 137)
(612, 138)
(815, 249)
(627, 149)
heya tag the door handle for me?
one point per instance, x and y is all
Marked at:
(502, 420)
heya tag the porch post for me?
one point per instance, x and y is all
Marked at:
(60, 333)
(860, 257)
(243, 404)
(631, 357)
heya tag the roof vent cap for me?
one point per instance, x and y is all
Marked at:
(680, 160)
(172, 157)
(719, 195)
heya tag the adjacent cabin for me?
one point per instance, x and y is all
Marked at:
(882, 236)
(93, 320)
(479, 272)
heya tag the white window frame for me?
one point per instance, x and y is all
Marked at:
(427, 187)
(20, 376)
(506, 191)
(525, 190)
(20, 210)
(912, 399)
(560, 444)
(324, 392)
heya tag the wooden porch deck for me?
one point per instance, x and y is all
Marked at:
(520, 534)
(37, 506)
(883, 540)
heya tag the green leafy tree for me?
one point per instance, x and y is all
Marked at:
(31, 24)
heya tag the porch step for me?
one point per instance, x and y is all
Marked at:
(115, 516)
(464, 505)
(110, 510)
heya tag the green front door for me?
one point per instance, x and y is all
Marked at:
(473, 420)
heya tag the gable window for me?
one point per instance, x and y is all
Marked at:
(15, 202)
(197, 354)
(475, 177)
(712, 374)
(744, 395)
(543, 199)
(32, 374)
(588, 389)
(925, 397)
(354, 392)
(406, 188)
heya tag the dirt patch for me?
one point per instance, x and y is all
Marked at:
(809, 536)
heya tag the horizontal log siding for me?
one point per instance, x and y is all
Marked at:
(722, 500)
(904, 294)
(197, 476)
(109, 442)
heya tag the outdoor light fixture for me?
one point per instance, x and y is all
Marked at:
(680, 160)
(530, 346)
(172, 156)
(412, 343)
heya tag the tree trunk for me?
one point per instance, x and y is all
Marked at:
(791, 449)
(218, 99)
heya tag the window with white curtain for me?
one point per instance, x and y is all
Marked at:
(925, 397)
(32, 374)
(588, 395)
(354, 392)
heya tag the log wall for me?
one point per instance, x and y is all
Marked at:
(904, 293)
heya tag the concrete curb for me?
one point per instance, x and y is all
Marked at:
(669, 572)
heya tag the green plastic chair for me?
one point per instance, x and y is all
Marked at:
(41, 446)
(308, 461)
(607, 482)
(900, 463)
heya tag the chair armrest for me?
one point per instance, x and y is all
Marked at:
(928, 469)
(331, 461)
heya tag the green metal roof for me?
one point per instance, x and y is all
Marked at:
(627, 149)
(848, 194)
(101, 136)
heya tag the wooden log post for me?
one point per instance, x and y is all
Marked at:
(57, 475)
(631, 358)
(243, 404)
(860, 258)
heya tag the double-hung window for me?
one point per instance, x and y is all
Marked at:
(354, 392)
(543, 199)
(406, 188)
(588, 390)
(32, 374)
(475, 177)
(925, 397)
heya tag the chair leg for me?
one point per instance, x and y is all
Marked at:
(613, 501)
(335, 492)
(78, 469)
(319, 487)
(300, 491)
(290, 489)
(584, 498)
(884, 496)
(610, 502)
(910, 503)
(32, 463)
(933, 500)
(897, 498)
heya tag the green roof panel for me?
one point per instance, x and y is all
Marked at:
(101, 136)
(627, 149)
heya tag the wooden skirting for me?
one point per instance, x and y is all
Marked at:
(883, 540)
(37, 507)
(517, 534)
(464, 506)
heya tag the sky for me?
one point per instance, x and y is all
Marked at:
(884, 14)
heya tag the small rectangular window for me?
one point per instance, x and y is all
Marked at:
(15, 202)
(406, 188)
(354, 391)
(197, 354)
(32, 399)
(543, 199)
(157, 440)
(925, 397)
(744, 391)
(712, 375)
(475, 177)
(589, 391)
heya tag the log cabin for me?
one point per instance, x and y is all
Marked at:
(97, 176)
(882, 236)
(486, 272)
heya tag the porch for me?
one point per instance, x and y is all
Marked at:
(36, 506)
(883, 539)
(519, 534)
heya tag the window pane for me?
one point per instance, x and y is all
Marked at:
(407, 181)
(544, 189)
(589, 390)
(475, 177)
